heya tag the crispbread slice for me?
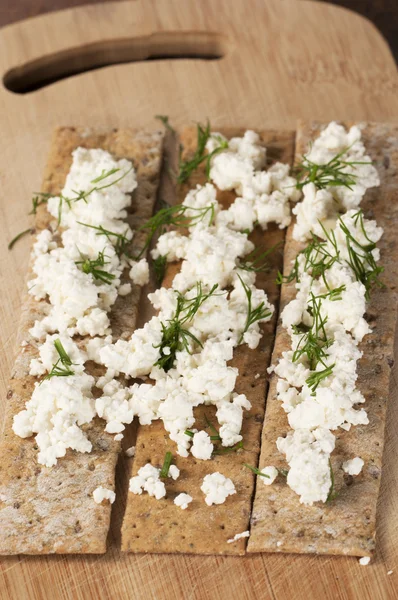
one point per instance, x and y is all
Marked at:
(152, 525)
(45, 510)
(345, 525)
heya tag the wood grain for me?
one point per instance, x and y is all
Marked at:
(290, 60)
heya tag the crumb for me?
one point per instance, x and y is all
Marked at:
(118, 437)
(365, 560)
(390, 572)
(257, 376)
(130, 451)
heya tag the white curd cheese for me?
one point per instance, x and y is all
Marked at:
(139, 272)
(271, 473)
(202, 447)
(182, 500)
(217, 488)
(353, 466)
(101, 493)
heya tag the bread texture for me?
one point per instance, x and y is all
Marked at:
(346, 525)
(51, 510)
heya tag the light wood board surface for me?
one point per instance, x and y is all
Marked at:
(281, 60)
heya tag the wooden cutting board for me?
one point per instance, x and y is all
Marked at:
(257, 63)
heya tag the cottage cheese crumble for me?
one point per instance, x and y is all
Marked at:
(182, 500)
(101, 493)
(353, 466)
(217, 488)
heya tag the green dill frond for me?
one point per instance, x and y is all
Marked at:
(176, 337)
(62, 367)
(164, 471)
(92, 266)
(118, 240)
(253, 314)
(186, 168)
(334, 173)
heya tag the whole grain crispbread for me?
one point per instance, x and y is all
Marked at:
(152, 525)
(347, 524)
(51, 510)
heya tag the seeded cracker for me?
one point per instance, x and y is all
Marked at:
(346, 525)
(152, 525)
(43, 510)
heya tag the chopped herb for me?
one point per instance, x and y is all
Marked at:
(165, 120)
(186, 168)
(332, 492)
(18, 237)
(38, 199)
(82, 195)
(104, 175)
(317, 376)
(256, 261)
(227, 450)
(256, 471)
(121, 240)
(330, 174)
(91, 266)
(253, 314)
(314, 340)
(361, 259)
(189, 433)
(178, 216)
(62, 367)
(175, 336)
(216, 436)
(164, 472)
(159, 267)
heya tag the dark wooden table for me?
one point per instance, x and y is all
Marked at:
(383, 13)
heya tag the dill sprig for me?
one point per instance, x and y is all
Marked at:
(256, 471)
(317, 376)
(83, 195)
(38, 199)
(228, 449)
(177, 216)
(19, 236)
(314, 340)
(164, 472)
(186, 168)
(216, 435)
(253, 314)
(318, 258)
(62, 367)
(214, 438)
(330, 174)
(121, 240)
(159, 267)
(165, 120)
(361, 259)
(320, 255)
(256, 260)
(175, 337)
(91, 266)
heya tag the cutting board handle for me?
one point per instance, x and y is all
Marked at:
(40, 72)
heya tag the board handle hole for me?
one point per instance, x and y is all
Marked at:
(44, 71)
